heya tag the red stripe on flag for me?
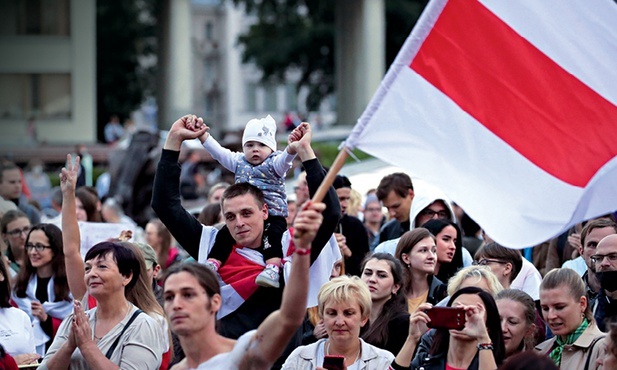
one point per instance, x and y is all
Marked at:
(240, 273)
(518, 93)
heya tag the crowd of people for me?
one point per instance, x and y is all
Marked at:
(398, 278)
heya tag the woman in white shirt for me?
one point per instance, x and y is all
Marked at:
(15, 328)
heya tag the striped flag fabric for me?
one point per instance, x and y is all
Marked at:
(510, 107)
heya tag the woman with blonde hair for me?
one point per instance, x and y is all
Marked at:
(345, 307)
(578, 343)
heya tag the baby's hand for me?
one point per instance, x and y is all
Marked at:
(296, 135)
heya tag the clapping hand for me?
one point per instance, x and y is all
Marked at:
(81, 330)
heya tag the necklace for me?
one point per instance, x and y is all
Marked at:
(357, 354)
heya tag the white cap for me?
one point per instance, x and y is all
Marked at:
(261, 130)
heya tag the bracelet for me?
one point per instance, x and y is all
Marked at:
(482, 346)
(302, 251)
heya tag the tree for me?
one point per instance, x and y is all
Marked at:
(298, 35)
(125, 35)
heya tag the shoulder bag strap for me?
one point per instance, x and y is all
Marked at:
(115, 344)
(591, 351)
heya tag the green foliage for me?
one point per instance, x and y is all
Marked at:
(298, 35)
(293, 35)
(327, 152)
(125, 32)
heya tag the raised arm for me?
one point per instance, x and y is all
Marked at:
(166, 191)
(315, 174)
(275, 332)
(71, 238)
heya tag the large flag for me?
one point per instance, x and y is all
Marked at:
(510, 108)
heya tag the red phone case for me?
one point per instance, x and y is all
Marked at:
(446, 318)
(333, 362)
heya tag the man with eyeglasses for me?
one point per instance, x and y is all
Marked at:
(605, 262)
(594, 231)
(11, 190)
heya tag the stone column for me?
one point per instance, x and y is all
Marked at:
(359, 55)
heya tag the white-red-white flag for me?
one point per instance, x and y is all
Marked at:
(510, 107)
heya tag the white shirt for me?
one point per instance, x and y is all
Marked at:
(16, 334)
(578, 264)
(528, 280)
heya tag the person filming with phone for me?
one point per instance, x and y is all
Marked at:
(467, 334)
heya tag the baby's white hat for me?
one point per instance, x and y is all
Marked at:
(262, 130)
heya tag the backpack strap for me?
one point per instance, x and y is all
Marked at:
(591, 351)
(115, 344)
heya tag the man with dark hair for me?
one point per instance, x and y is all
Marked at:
(351, 235)
(245, 219)
(395, 192)
(592, 233)
(193, 297)
(11, 190)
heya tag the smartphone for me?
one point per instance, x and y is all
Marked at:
(446, 318)
(333, 362)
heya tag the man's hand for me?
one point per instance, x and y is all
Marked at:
(306, 224)
(342, 244)
(188, 127)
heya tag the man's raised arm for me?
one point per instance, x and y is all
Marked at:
(315, 174)
(166, 200)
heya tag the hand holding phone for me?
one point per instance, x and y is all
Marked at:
(334, 362)
(446, 318)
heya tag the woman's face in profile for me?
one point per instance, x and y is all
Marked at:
(446, 244)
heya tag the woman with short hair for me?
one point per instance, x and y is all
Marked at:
(115, 334)
(345, 306)
(505, 263)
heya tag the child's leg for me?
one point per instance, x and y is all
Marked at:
(221, 249)
(274, 229)
(272, 251)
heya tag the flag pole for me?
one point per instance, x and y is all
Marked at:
(332, 172)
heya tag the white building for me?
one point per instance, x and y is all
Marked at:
(226, 92)
(47, 71)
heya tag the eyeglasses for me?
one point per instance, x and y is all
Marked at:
(18, 232)
(430, 213)
(373, 209)
(37, 247)
(486, 261)
(598, 258)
